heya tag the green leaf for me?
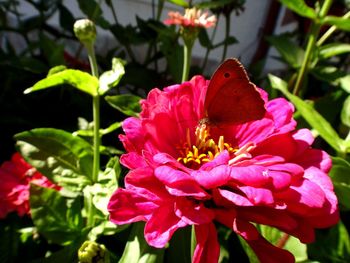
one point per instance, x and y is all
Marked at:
(60, 156)
(345, 112)
(340, 174)
(344, 83)
(248, 250)
(328, 74)
(56, 218)
(204, 39)
(291, 53)
(90, 132)
(340, 22)
(215, 4)
(293, 245)
(111, 78)
(182, 3)
(332, 245)
(90, 8)
(126, 103)
(76, 78)
(333, 49)
(66, 18)
(137, 249)
(106, 228)
(56, 69)
(180, 246)
(315, 120)
(299, 7)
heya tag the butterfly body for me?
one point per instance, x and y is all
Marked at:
(231, 98)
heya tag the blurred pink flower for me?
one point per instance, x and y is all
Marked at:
(15, 177)
(183, 174)
(192, 18)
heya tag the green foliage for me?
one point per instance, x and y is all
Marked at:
(290, 52)
(339, 22)
(300, 7)
(345, 113)
(340, 174)
(76, 78)
(331, 245)
(315, 120)
(126, 103)
(333, 49)
(57, 218)
(62, 157)
(137, 250)
(293, 245)
(111, 78)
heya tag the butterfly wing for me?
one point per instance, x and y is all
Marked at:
(231, 97)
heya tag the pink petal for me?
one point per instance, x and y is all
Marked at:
(133, 160)
(208, 247)
(282, 112)
(258, 196)
(253, 175)
(328, 215)
(304, 139)
(234, 198)
(240, 135)
(218, 176)
(221, 159)
(179, 183)
(161, 226)
(127, 207)
(273, 146)
(303, 197)
(264, 250)
(143, 182)
(315, 158)
(192, 212)
(268, 216)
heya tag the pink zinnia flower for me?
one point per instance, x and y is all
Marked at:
(192, 18)
(15, 177)
(183, 174)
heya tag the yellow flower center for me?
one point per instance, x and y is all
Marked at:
(204, 150)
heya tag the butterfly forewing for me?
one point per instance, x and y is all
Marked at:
(231, 98)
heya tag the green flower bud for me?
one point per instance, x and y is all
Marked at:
(85, 31)
(92, 252)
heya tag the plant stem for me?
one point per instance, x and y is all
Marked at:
(227, 34)
(96, 138)
(193, 240)
(330, 31)
(283, 240)
(311, 43)
(187, 61)
(114, 13)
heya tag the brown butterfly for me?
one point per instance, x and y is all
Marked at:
(231, 98)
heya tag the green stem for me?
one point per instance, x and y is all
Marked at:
(311, 43)
(96, 115)
(114, 13)
(227, 34)
(187, 61)
(96, 138)
(330, 31)
(193, 240)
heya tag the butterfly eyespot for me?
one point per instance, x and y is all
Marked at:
(227, 75)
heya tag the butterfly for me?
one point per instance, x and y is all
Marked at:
(231, 98)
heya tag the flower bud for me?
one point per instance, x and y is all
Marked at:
(85, 31)
(92, 252)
